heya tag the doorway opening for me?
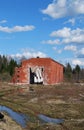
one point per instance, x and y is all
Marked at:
(36, 75)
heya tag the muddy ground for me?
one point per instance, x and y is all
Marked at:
(9, 124)
(65, 101)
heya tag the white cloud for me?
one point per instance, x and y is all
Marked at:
(17, 28)
(70, 48)
(56, 41)
(77, 6)
(65, 32)
(69, 36)
(59, 51)
(28, 54)
(77, 62)
(53, 9)
(72, 21)
(3, 21)
(80, 53)
(62, 8)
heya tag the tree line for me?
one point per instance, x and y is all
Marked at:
(75, 74)
(7, 67)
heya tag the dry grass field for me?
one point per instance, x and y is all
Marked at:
(65, 101)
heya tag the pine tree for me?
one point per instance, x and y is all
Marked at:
(11, 66)
(77, 71)
(68, 71)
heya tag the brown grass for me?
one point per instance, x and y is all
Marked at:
(58, 101)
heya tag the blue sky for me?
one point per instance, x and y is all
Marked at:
(44, 28)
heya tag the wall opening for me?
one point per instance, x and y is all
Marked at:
(36, 75)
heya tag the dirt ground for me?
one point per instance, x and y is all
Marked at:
(65, 101)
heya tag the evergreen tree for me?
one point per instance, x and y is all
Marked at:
(7, 67)
(68, 71)
(0, 62)
(11, 66)
(77, 71)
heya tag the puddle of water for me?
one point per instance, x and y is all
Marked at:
(18, 117)
(22, 119)
(47, 119)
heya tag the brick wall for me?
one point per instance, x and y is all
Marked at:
(52, 71)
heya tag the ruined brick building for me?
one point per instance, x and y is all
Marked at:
(39, 71)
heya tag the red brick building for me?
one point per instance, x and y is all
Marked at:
(39, 71)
